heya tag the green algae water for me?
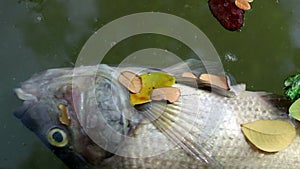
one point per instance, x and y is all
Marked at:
(40, 34)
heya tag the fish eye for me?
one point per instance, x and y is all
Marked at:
(57, 137)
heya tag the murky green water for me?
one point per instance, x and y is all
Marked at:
(44, 34)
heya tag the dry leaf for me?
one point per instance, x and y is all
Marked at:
(131, 81)
(269, 135)
(220, 81)
(64, 117)
(189, 75)
(171, 94)
(243, 4)
(294, 110)
(151, 81)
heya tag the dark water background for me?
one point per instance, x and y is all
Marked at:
(39, 34)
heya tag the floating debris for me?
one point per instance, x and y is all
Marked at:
(231, 57)
(227, 13)
(243, 4)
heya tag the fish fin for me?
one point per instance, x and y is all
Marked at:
(237, 89)
(196, 66)
(204, 85)
(176, 121)
(281, 102)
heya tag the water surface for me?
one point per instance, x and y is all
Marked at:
(40, 34)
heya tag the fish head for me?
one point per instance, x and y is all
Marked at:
(52, 107)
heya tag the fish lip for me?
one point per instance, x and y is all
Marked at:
(23, 95)
(19, 113)
(29, 100)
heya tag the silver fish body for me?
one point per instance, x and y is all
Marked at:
(201, 130)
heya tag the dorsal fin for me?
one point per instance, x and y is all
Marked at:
(279, 101)
(197, 67)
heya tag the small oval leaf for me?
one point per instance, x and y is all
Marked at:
(294, 110)
(131, 81)
(269, 135)
(171, 94)
(220, 81)
(189, 75)
(243, 4)
(64, 117)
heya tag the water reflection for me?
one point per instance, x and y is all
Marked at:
(41, 157)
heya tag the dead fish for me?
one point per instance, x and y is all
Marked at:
(84, 116)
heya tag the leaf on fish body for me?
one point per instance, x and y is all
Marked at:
(189, 75)
(64, 117)
(269, 135)
(220, 81)
(131, 81)
(171, 94)
(151, 81)
(294, 110)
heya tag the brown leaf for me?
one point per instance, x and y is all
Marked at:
(189, 75)
(220, 81)
(171, 94)
(131, 81)
(243, 4)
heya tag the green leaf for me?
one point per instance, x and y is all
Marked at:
(292, 87)
(294, 110)
(269, 135)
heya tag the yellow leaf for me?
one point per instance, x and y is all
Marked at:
(151, 81)
(269, 135)
(64, 117)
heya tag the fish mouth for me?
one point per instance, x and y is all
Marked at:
(29, 100)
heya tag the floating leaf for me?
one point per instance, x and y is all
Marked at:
(227, 13)
(220, 81)
(243, 4)
(131, 81)
(171, 94)
(269, 135)
(294, 110)
(151, 81)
